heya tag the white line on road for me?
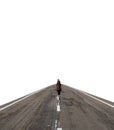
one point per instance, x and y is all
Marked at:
(58, 108)
(55, 124)
(19, 100)
(57, 98)
(59, 128)
(97, 99)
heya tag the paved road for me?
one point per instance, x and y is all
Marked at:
(42, 111)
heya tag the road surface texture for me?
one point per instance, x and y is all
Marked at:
(44, 111)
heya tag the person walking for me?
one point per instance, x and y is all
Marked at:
(58, 87)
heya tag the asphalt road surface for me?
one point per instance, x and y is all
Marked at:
(76, 110)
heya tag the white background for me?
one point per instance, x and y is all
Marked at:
(42, 40)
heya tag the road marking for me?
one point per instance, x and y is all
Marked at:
(55, 124)
(58, 124)
(19, 100)
(58, 107)
(58, 98)
(97, 99)
(93, 97)
(59, 128)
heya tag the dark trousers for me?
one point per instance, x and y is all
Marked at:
(58, 91)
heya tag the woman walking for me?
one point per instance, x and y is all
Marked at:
(58, 87)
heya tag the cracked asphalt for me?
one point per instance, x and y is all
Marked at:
(39, 112)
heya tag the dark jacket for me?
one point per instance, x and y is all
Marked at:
(58, 85)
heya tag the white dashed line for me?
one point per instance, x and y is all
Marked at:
(55, 124)
(57, 98)
(58, 108)
(59, 128)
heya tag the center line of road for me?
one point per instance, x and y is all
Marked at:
(55, 124)
(58, 107)
(57, 98)
(59, 128)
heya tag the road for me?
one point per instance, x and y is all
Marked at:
(43, 111)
